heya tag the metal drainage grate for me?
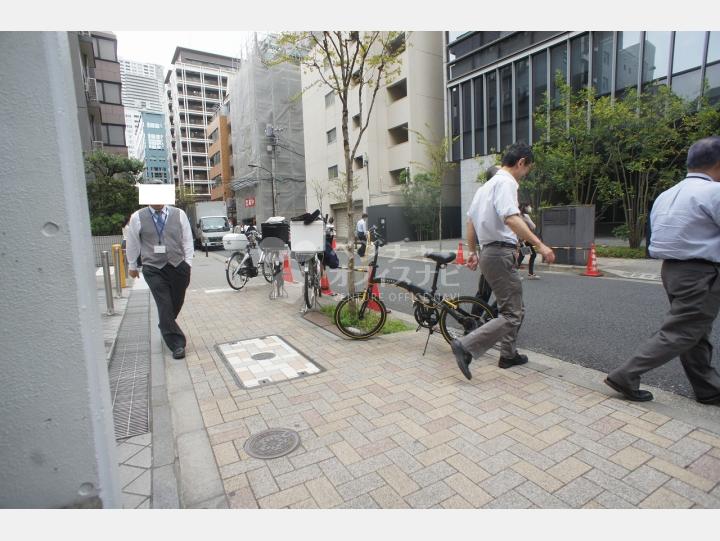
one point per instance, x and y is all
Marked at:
(272, 443)
(129, 370)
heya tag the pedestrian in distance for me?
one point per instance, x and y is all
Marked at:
(161, 237)
(685, 222)
(494, 219)
(361, 234)
(527, 247)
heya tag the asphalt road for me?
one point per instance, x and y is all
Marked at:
(592, 322)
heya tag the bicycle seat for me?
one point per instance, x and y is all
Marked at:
(441, 257)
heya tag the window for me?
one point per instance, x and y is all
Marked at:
(467, 145)
(105, 49)
(687, 57)
(558, 64)
(155, 141)
(214, 135)
(479, 116)
(455, 121)
(397, 91)
(333, 172)
(153, 125)
(522, 101)
(398, 135)
(539, 86)
(329, 98)
(113, 135)
(656, 56)
(215, 159)
(628, 61)
(579, 61)
(506, 121)
(331, 136)
(108, 92)
(713, 53)
(492, 114)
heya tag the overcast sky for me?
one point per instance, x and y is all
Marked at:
(158, 47)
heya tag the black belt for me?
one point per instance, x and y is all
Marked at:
(703, 261)
(502, 244)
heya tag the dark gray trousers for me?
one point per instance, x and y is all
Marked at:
(497, 265)
(168, 286)
(693, 289)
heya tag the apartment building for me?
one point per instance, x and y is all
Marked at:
(495, 80)
(98, 91)
(220, 152)
(412, 102)
(143, 89)
(195, 86)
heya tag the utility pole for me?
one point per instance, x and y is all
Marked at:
(272, 148)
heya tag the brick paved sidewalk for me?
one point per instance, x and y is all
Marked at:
(385, 427)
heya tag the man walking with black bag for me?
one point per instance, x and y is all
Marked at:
(161, 236)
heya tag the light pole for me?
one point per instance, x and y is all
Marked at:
(272, 182)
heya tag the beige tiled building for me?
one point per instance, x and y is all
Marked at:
(411, 102)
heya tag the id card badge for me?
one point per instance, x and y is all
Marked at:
(160, 249)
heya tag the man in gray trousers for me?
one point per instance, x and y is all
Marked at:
(161, 236)
(494, 217)
(685, 222)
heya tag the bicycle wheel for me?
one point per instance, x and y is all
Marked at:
(309, 291)
(235, 273)
(473, 314)
(360, 316)
(268, 266)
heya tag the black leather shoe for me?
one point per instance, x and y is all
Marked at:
(179, 353)
(636, 395)
(507, 362)
(462, 357)
(711, 401)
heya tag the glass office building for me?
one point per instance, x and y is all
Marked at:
(495, 80)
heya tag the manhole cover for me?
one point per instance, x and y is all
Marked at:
(263, 356)
(272, 443)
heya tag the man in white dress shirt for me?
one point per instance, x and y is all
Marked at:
(161, 236)
(685, 223)
(494, 219)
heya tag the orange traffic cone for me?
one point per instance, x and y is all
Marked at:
(460, 260)
(325, 285)
(375, 293)
(592, 267)
(287, 270)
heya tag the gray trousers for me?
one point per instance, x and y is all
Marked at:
(693, 289)
(497, 265)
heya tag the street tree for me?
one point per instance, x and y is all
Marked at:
(353, 66)
(421, 196)
(111, 191)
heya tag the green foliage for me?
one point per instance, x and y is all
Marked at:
(421, 204)
(111, 191)
(620, 251)
(599, 151)
(621, 232)
(391, 326)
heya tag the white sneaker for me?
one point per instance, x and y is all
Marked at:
(533, 277)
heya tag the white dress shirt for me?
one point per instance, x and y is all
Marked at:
(133, 239)
(685, 220)
(493, 202)
(361, 227)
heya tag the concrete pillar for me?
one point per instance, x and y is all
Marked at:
(57, 446)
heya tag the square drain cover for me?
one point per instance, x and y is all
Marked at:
(270, 359)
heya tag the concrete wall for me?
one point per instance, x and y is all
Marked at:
(57, 445)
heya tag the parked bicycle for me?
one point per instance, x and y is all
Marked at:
(363, 314)
(312, 270)
(240, 267)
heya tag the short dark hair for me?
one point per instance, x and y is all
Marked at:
(364, 215)
(515, 152)
(491, 172)
(704, 153)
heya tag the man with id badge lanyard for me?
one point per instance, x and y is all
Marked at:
(160, 234)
